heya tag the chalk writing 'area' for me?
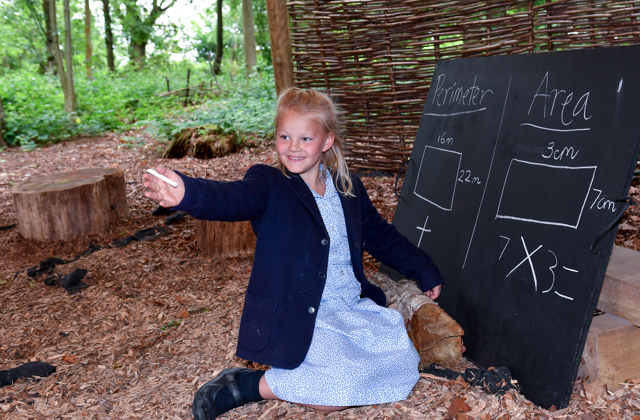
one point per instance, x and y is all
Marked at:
(515, 170)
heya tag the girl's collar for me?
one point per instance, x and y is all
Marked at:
(330, 188)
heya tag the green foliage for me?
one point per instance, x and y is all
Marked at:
(247, 106)
(22, 35)
(262, 30)
(171, 324)
(138, 23)
(204, 41)
(34, 104)
(20, 38)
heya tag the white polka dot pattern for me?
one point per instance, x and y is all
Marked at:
(360, 353)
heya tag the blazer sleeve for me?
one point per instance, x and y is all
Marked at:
(247, 199)
(388, 246)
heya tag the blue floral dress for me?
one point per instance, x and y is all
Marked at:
(360, 353)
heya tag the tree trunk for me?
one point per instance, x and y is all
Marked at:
(108, 35)
(436, 336)
(61, 206)
(55, 42)
(51, 61)
(87, 37)
(3, 143)
(212, 67)
(218, 61)
(138, 54)
(250, 57)
(280, 36)
(70, 99)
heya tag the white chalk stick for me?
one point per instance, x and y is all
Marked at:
(164, 178)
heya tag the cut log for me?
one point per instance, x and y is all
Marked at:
(225, 239)
(612, 351)
(621, 288)
(62, 206)
(436, 336)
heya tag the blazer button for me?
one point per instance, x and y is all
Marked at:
(311, 310)
(321, 275)
(324, 242)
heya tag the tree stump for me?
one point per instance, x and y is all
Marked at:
(62, 206)
(225, 239)
(179, 146)
(436, 336)
(204, 142)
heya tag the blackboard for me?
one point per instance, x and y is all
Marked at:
(514, 172)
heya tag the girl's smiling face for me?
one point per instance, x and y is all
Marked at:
(300, 143)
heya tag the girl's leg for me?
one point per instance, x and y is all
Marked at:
(267, 394)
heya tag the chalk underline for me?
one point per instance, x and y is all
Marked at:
(454, 113)
(556, 129)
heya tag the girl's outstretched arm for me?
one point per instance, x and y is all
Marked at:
(160, 191)
(207, 199)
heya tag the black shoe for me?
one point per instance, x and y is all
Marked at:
(204, 403)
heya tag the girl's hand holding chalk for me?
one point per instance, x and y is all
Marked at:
(164, 178)
(165, 187)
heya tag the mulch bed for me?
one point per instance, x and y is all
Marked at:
(159, 319)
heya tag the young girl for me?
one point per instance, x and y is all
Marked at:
(309, 311)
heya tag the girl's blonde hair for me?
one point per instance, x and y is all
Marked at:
(320, 109)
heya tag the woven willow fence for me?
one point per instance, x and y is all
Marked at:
(377, 57)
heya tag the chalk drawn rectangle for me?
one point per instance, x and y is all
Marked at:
(438, 176)
(545, 194)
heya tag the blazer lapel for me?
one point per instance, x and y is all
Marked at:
(301, 189)
(352, 219)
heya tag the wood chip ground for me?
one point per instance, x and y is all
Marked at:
(159, 318)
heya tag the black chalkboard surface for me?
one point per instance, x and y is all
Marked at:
(513, 175)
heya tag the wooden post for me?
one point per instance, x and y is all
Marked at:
(186, 97)
(280, 35)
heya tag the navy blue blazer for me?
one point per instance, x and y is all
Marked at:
(292, 254)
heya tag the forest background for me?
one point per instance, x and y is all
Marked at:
(132, 61)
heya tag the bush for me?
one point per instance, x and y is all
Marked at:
(34, 104)
(245, 106)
